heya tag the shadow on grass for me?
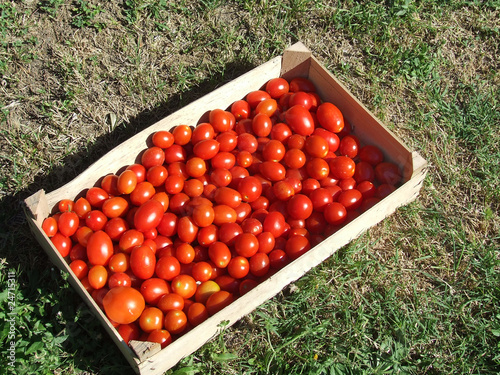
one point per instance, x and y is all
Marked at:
(50, 306)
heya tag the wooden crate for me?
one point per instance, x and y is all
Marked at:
(147, 358)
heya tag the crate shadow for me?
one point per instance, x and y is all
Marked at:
(51, 299)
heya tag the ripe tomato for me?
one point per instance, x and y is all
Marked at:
(123, 304)
(162, 139)
(220, 254)
(151, 319)
(227, 196)
(224, 214)
(300, 120)
(129, 332)
(202, 271)
(330, 117)
(351, 199)
(259, 264)
(297, 245)
(299, 206)
(49, 226)
(185, 253)
(197, 313)
(152, 156)
(277, 87)
(96, 196)
(240, 109)
(170, 301)
(127, 181)
(302, 84)
(250, 188)
(187, 229)
(274, 223)
(82, 235)
(184, 285)
(82, 207)
(220, 120)
(119, 279)
(371, 154)
(98, 276)
(161, 336)
(349, 146)
(238, 267)
(115, 207)
(218, 301)
(99, 248)
(167, 267)
(65, 205)
(272, 170)
(261, 122)
(182, 134)
(153, 289)
(342, 167)
(79, 268)
(68, 223)
(157, 175)
(148, 215)
(142, 262)
(175, 321)
(335, 213)
(255, 97)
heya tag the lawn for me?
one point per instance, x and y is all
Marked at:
(419, 293)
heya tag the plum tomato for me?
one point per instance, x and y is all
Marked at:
(300, 120)
(277, 87)
(330, 117)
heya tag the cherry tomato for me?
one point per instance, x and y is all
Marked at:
(259, 264)
(49, 226)
(119, 279)
(142, 262)
(342, 167)
(129, 332)
(167, 267)
(255, 97)
(182, 134)
(127, 181)
(68, 223)
(302, 84)
(99, 248)
(220, 120)
(300, 120)
(161, 336)
(240, 109)
(388, 173)
(371, 154)
(79, 268)
(148, 215)
(335, 213)
(153, 289)
(238, 267)
(300, 206)
(187, 229)
(170, 301)
(152, 156)
(82, 207)
(197, 313)
(330, 117)
(184, 285)
(220, 254)
(246, 245)
(115, 207)
(175, 321)
(277, 87)
(162, 139)
(151, 319)
(297, 245)
(98, 276)
(274, 223)
(96, 196)
(218, 301)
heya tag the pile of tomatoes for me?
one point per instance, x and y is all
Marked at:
(210, 211)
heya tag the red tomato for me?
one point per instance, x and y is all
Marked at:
(175, 153)
(297, 245)
(218, 301)
(79, 268)
(330, 117)
(220, 120)
(153, 289)
(123, 304)
(96, 196)
(152, 156)
(119, 279)
(349, 146)
(227, 141)
(278, 259)
(148, 215)
(151, 319)
(227, 196)
(185, 253)
(163, 139)
(266, 107)
(161, 336)
(184, 285)
(255, 97)
(302, 84)
(342, 167)
(127, 181)
(238, 267)
(98, 276)
(371, 154)
(115, 207)
(259, 264)
(142, 262)
(331, 138)
(240, 109)
(171, 301)
(187, 229)
(175, 321)
(300, 120)
(220, 254)
(274, 223)
(266, 242)
(300, 206)
(316, 146)
(65, 205)
(82, 207)
(49, 226)
(277, 87)
(182, 134)
(99, 248)
(250, 188)
(68, 223)
(129, 332)
(281, 132)
(224, 214)
(335, 213)
(167, 267)
(197, 313)
(246, 245)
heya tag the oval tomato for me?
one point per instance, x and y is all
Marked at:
(99, 248)
(148, 215)
(300, 120)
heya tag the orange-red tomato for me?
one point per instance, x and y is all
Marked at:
(123, 304)
(99, 248)
(184, 285)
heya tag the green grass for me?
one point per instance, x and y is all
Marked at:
(417, 294)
